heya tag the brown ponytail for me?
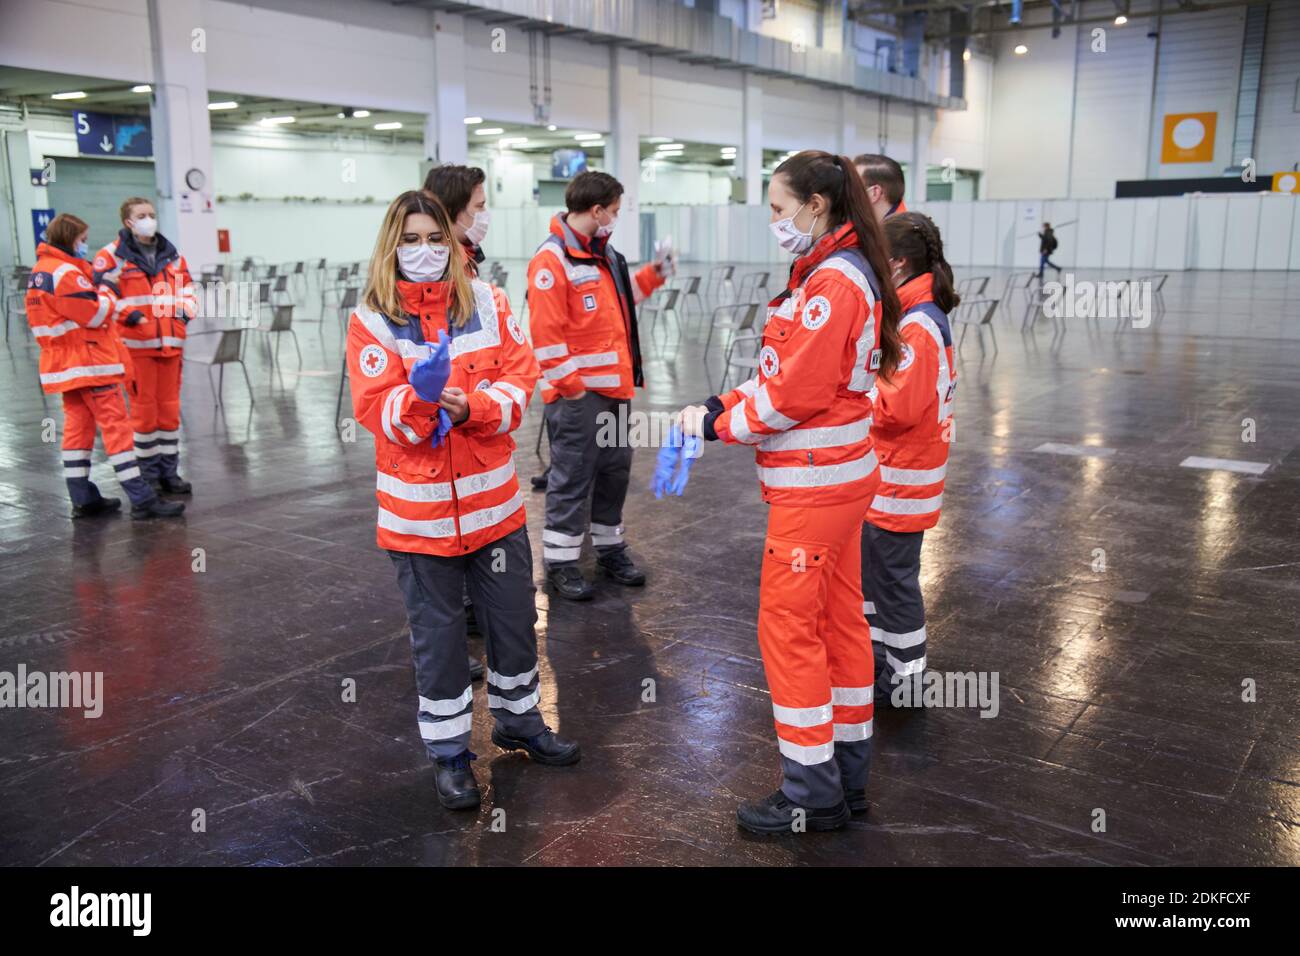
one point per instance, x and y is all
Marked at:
(812, 172)
(914, 238)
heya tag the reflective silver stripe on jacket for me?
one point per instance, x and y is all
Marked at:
(818, 476)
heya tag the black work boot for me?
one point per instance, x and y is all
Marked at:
(545, 748)
(619, 566)
(475, 668)
(157, 508)
(779, 814)
(99, 506)
(856, 798)
(454, 780)
(569, 583)
(175, 485)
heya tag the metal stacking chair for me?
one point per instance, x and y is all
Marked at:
(689, 287)
(979, 314)
(746, 361)
(972, 287)
(218, 348)
(753, 287)
(733, 319)
(1035, 299)
(720, 284)
(663, 302)
(13, 292)
(281, 322)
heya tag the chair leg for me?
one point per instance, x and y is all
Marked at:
(995, 338)
(962, 338)
(249, 383)
(294, 335)
(221, 383)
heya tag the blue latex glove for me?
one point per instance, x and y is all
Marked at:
(429, 375)
(670, 453)
(690, 452)
(444, 426)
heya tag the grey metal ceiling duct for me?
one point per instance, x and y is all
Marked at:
(698, 36)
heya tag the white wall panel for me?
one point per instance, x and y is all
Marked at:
(1207, 224)
(1117, 249)
(1242, 232)
(1146, 212)
(957, 238)
(984, 234)
(68, 37)
(1172, 227)
(1090, 234)
(1273, 250)
(1005, 250)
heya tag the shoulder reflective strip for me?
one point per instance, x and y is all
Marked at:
(80, 371)
(863, 379)
(905, 668)
(551, 351)
(520, 706)
(142, 343)
(852, 696)
(850, 272)
(594, 359)
(912, 476)
(487, 517)
(899, 641)
(907, 506)
(502, 682)
(560, 538)
(431, 528)
(517, 394)
(808, 756)
(848, 733)
(550, 247)
(802, 716)
(507, 406)
(826, 437)
(447, 706)
(447, 729)
(944, 378)
(767, 413)
(601, 381)
(377, 327)
(748, 387)
(818, 476)
(488, 480)
(560, 554)
(562, 370)
(60, 272)
(398, 399)
(411, 491)
(76, 454)
(121, 457)
(53, 331)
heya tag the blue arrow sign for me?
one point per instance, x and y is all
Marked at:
(40, 219)
(103, 134)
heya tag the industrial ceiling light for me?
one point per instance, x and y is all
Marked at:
(551, 127)
(227, 105)
(1021, 49)
(581, 137)
(512, 140)
(277, 120)
(1121, 20)
(360, 114)
(142, 88)
(489, 131)
(965, 55)
(667, 146)
(473, 120)
(388, 126)
(75, 95)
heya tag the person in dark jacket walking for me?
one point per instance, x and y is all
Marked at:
(1046, 246)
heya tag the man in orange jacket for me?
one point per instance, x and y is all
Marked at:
(582, 306)
(885, 184)
(155, 301)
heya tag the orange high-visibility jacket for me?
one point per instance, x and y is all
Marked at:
(165, 297)
(70, 319)
(462, 495)
(582, 315)
(914, 416)
(808, 410)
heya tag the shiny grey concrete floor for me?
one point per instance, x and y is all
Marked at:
(1120, 691)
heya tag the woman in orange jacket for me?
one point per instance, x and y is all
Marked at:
(808, 412)
(83, 359)
(441, 373)
(913, 430)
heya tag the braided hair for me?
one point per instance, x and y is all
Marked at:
(914, 238)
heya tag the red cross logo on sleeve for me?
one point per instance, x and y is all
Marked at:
(815, 313)
(372, 362)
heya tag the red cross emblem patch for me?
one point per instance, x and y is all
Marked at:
(769, 363)
(816, 313)
(373, 360)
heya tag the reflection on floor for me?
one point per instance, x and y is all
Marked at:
(1126, 603)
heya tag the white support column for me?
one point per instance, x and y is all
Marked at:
(445, 138)
(751, 145)
(846, 141)
(182, 138)
(924, 124)
(623, 147)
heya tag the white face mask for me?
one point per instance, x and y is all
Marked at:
(478, 232)
(423, 263)
(146, 227)
(608, 228)
(788, 235)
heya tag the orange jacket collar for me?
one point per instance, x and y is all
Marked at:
(842, 238)
(420, 298)
(54, 252)
(918, 289)
(576, 244)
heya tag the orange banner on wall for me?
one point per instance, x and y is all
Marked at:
(1189, 138)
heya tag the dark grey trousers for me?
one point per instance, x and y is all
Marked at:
(891, 590)
(500, 581)
(588, 477)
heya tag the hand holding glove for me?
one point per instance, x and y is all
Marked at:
(665, 257)
(429, 375)
(673, 464)
(440, 433)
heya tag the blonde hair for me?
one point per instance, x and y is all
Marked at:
(381, 293)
